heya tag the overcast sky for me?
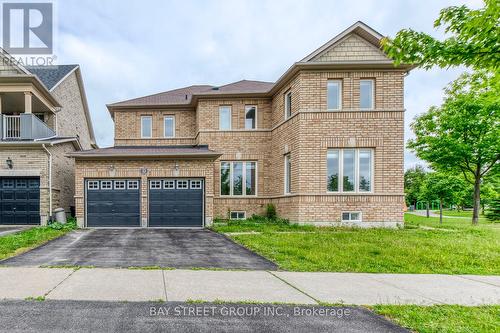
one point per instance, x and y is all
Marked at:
(128, 49)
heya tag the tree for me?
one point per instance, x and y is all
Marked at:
(443, 187)
(414, 178)
(473, 40)
(463, 134)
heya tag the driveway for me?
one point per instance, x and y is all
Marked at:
(76, 316)
(143, 248)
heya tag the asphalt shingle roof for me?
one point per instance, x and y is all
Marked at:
(148, 151)
(51, 75)
(184, 95)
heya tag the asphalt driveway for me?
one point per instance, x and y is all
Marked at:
(77, 316)
(143, 248)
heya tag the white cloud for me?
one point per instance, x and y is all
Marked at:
(135, 48)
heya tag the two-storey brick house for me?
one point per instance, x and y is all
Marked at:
(324, 144)
(43, 117)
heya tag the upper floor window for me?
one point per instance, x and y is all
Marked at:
(366, 94)
(238, 178)
(334, 94)
(288, 174)
(288, 104)
(224, 118)
(250, 117)
(146, 127)
(169, 126)
(353, 167)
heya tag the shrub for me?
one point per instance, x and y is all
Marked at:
(271, 211)
(71, 224)
(493, 212)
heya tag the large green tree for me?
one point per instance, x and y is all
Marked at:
(473, 40)
(463, 134)
(443, 187)
(414, 177)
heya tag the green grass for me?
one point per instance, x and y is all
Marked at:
(14, 244)
(423, 246)
(443, 318)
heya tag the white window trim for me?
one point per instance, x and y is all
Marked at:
(230, 117)
(350, 213)
(121, 182)
(244, 179)
(173, 126)
(132, 187)
(287, 180)
(182, 181)
(195, 181)
(169, 181)
(372, 106)
(356, 171)
(142, 127)
(106, 181)
(93, 182)
(340, 95)
(238, 212)
(288, 92)
(246, 108)
(157, 185)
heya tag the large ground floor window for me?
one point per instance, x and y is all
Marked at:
(238, 178)
(349, 170)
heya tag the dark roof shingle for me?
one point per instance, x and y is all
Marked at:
(51, 75)
(148, 151)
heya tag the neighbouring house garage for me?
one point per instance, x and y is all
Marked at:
(113, 203)
(20, 200)
(176, 203)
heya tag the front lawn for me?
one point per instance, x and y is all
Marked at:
(443, 318)
(14, 244)
(423, 246)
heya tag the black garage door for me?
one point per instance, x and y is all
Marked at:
(176, 203)
(19, 200)
(113, 203)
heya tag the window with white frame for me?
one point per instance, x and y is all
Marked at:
(288, 174)
(366, 94)
(288, 104)
(196, 184)
(237, 215)
(334, 95)
(119, 184)
(106, 184)
(250, 117)
(351, 217)
(238, 178)
(91, 185)
(169, 184)
(155, 184)
(349, 170)
(169, 126)
(132, 184)
(182, 184)
(224, 118)
(146, 127)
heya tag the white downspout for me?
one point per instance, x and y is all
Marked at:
(49, 154)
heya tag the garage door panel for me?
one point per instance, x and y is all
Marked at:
(112, 207)
(20, 200)
(177, 206)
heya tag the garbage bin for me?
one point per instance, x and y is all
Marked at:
(60, 215)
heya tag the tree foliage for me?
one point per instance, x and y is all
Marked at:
(473, 40)
(414, 178)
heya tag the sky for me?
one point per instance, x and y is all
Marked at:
(131, 48)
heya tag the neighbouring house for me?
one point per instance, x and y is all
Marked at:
(43, 116)
(324, 144)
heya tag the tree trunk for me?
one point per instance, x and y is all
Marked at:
(427, 211)
(477, 198)
(440, 211)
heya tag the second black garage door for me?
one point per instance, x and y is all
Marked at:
(176, 203)
(113, 203)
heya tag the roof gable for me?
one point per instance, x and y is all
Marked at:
(359, 42)
(51, 76)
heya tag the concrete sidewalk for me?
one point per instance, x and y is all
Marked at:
(102, 284)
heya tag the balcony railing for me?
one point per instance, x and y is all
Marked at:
(24, 127)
